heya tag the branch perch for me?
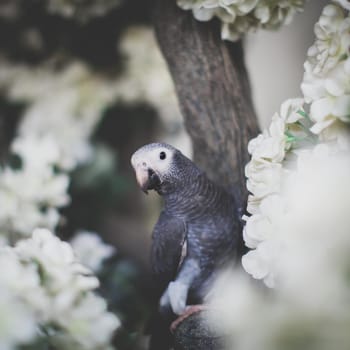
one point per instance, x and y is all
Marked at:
(194, 333)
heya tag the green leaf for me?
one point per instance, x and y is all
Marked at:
(304, 115)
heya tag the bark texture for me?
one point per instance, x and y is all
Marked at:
(195, 333)
(213, 91)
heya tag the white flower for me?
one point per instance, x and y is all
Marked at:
(88, 324)
(337, 136)
(90, 249)
(257, 229)
(45, 275)
(70, 115)
(306, 262)
(332, 40)
(270, 145)
(146, 77)
(326, 82)
(290, 110)
(344, 3)
(43, 287)
(241, 16)
(253, 204)
(329, 95)
(263, 232)
(18, 284)
(225, 307)
(41, 187)
(17, 321)
(36, 153)
(265, 223)
(263, 178)
(63, 108)
(260, 262)
(299, 229)
(32, 193)
(57, 260)
(271, 224)
(269, 172)
(64, 105)
(63, 279)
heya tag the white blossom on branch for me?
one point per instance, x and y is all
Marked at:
(241, 16)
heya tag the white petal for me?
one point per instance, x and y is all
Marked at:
(203, 14)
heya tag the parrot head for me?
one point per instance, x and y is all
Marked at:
(155, 166)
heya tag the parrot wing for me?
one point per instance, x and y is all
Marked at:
(168, 248)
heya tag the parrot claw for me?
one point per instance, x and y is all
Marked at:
(190, 310)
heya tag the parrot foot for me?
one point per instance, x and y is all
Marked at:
(190, 310)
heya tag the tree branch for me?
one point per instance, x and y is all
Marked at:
(213, 91)
(196, 333)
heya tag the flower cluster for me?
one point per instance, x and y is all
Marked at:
(266, 178)
(313, 267)
(90, 249)
(241, 16)
(295, 139)
(311, 263)
(63, 104)
(52, 139)
(52, 294)
(326, 83)
(34, 191)
(146, 77)
(49, 295)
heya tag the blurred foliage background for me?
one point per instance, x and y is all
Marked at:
(40, 36)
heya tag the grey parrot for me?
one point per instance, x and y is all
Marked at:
(197, 232)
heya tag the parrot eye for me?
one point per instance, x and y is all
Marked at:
(162, 155)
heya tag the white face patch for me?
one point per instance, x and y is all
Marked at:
(157, 158)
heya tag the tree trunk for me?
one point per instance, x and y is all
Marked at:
(213, 91)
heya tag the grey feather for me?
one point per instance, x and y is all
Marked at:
(170, 235)
(197, 212)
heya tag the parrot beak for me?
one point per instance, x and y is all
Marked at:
(145, 176)
(142, 175)
(147, 179)
(142, 178)
(142, 172)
